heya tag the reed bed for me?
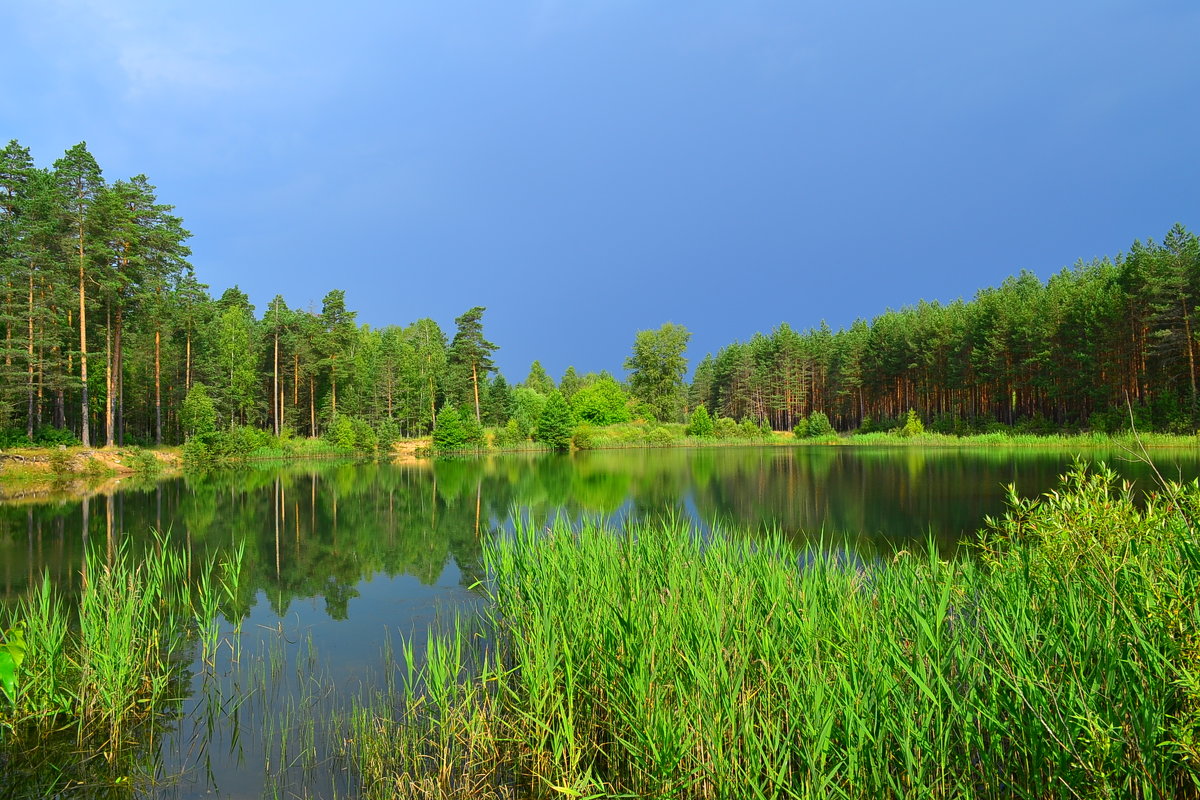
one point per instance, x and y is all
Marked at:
(96, 682)
(1060, 661)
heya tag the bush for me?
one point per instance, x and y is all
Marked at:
(387, 433)
(13, 437)
(701, 423)
(659, 436)
(510, 435)
(453, 431)
(800, 431)
(912, 426)
(49, 436)
(818, 425)
(602, 403)
(556, 424)
(725, 428)
(748, 429)
(142, 462)
(584, 437)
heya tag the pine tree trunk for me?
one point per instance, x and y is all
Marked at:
(118, 375)
(29, 367)
(108, 379)
(157, 387)
(475, 381)
(276, 403)
(84, 433)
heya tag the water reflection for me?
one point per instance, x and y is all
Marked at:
(320, 529)
(338, 554)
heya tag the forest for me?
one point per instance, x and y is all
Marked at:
(111, 338)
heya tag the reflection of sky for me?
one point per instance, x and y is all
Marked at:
(325, 663)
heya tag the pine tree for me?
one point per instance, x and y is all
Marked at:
(470, 359)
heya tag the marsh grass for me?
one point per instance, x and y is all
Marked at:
(652, 662)
(100, 679)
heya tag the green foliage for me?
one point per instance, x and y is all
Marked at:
(800, 431)
(12, 654)
(584, 437)
(510, 435)
(602, 402)
(657, 366)
(819, 426)
(556, 423)
(539, 380)
(387, 432)
(725, 428)
(748, 429)
(454, 431)
(1061, 666)
(142, 462)
(527, 406)
(48, 436)
(912, 426)
(198, 414)
(700, 424)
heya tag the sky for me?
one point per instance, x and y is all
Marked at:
(586, 169)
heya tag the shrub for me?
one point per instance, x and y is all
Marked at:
(725, 428)
(454, 432)
(584, 437)
(13, 437)
(49, 436)
(555, 425)
(198, 414)
(700, 424)
(659, 436)
(602, 403)
(912, 426)
(748, 429)
(818, 425)
(510, 435)
(800, 431)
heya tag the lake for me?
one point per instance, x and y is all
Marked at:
(343, 561)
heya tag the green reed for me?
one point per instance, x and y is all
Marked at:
(1061, 661)
(97, 677)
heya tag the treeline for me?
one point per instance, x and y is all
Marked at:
(1077, 351)
(108, 336)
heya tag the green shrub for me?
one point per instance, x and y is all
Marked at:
(818, 425)
(13, 437)
(725, 428)
(584, 437)
(510, 435)
(700, 424)
(556, 424)
(748, 429)
(659, 436)
(800, 431)
(142, 462)
(912, 426)
(49, 436)
(456, 431)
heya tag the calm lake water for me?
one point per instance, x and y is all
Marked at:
(343, 560)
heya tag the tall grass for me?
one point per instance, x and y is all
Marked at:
(98, 680)
(652, 662)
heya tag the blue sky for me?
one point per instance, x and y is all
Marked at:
(587, 169)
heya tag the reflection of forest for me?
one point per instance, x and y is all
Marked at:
(320, 528)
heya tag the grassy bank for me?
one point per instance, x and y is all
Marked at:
(1060, 662)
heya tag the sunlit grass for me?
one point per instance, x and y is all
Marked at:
(652, 662)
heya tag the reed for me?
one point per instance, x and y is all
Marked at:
(98, 679)
(654, 662)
